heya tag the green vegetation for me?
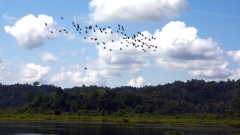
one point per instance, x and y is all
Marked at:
(183, 103)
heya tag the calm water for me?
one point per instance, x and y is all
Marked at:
(102, 128)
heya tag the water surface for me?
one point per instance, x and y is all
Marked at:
(106, 128)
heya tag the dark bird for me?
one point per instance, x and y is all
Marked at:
(86, 27)
(120, 48)
(110, 49)
(104, 47)
(64, 29)
(118, 25)
(92, 38)
(59, 30)
(94, 30)
(85, 38)
(96, 25)
(105, 32)
(85, 68)
(80, 32)
(51, 31)
(104, 43)
(61, 17)
(97, 43)
(112, 40)
(109, 27)
(122, 28)
(95, 39)
(117, 31)
(66, 32)
(86, 31)
(45, 24)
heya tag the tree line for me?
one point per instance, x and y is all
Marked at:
(177, 98)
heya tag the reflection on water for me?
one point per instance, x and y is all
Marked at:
(103, 128)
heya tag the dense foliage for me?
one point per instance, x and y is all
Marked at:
(191, 97)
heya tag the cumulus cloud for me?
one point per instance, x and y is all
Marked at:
(32, 72)
(79, 76)
(31, 32)
(136, 10)
(138, 82)
(235, 55)
(178, 47)
(47, 56)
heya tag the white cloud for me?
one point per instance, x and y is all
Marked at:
(235, 55)
(138, 82)
(180, 48)
(135, 71)
(10, 19)
(32, 72)
(31, 32)
(47, 56)
(79, 76)
(136, 10)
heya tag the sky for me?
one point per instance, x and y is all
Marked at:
(141, 42)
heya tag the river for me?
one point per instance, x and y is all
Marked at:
(106, 128)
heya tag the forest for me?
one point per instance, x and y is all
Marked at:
(177, 98)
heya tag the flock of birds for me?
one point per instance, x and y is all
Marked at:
(138, 40)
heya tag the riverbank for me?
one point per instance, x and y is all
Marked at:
(167, 120)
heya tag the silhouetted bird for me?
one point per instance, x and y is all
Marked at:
(45, 24)
(51, 31)
(96, 25)
(85, 38)
(59, 30)
(61, 17)
(95, 39)
(85, 68)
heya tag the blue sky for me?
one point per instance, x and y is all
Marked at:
(193, 40)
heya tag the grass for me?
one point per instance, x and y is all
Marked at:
(168, 120)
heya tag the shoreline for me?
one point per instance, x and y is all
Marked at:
(164, 120)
